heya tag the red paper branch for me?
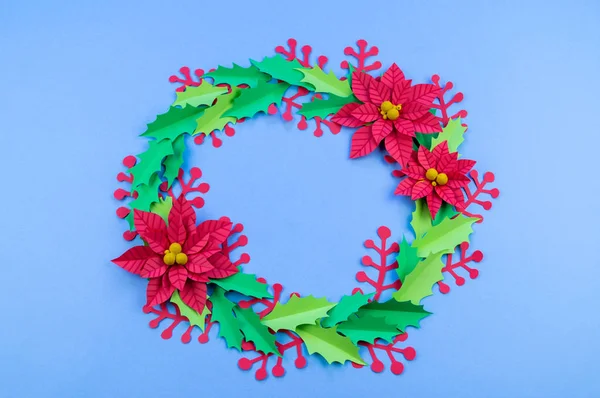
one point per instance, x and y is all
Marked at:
(187, 80)
(462, 262)
(473, 195)
(361, 57)
(443, 103)
(391, 351)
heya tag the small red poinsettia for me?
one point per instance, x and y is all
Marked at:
(182, 256)
(438, 175)
(392, 109)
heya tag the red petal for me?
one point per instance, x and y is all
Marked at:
(426, 158)
(379, 92)
(344, 116)
(157, 241)
(424, 94)
(223, 267)
(176, 230)
(414, 111)
(194, 295)
(198, 263)
(366, 113)
(414, 172)
(380, 129)
(405, 187)
(195, 243)
(405, 127)
(457, 180)
(360, 85)
(154, 268)
(460, 199)
(440, 149)
(465, 165)
(447, 163)
(177, 276)
(393, 77)
(158, 291)
(363, 142)
(144, 220)
(434, 202)
(447, 194)
(399, 147)
(184, 209)
(427, 124)
(198, 277)
(421, 189)
(219, 230)
(134, 259)
(400, 92)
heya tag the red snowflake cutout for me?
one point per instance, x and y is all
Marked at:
(442, 104)
(392, 351)
(190, 189)
(293, 342)
(187, 80)
(473, 196)
(380, 263)
(125, 194)
(462, 262)
(361, 57)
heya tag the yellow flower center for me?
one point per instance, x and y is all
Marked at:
(441, 179)
(431, 174)
(174, 255)
(436, 178)
(390, 111)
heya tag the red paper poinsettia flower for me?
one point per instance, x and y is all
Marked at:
(182, 256)
(438, 175)
(392, 109)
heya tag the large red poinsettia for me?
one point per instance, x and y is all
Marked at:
(437, 175)
(392, 109)
(182, 256)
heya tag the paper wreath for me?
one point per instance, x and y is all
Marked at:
(189, 263)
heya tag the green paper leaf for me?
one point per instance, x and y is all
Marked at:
(254, 331)
(351, 70)
(213, 118)
(147, 195)
(245, 284)
(150, 162)
(325, 107)
(444, 237)
(401, 315)
(453, 133)
(237, 75)
(222, 312)
(421, 218)
(173, 123)
(281, 69)
(417, 285)
(445, 211)
(297, 311)
(191, 314)
(407, 260)
(326, 83)
(347, 306)
(162, 207)
(173, 162)
(204, 94)
(254, 100)
(332, 346)
(368, 329)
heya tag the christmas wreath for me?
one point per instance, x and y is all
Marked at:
(191, 274)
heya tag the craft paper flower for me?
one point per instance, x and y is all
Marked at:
(392, 109)
(437, 175)
(180, 256)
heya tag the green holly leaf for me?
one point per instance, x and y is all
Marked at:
(347, 306)
(453, 133)
(173, 123)
(173, 162)
(297, 311)
(325, 107)
(445, 211)
(351, 70)
(254, 100)
(444, 237)
(368, 329)
(237, 75)
(401, 315)
(407, 259)
(162, 207)
(150, 162)
(417, 285)
(254, 331)
(281, 69)
(326, 83)
(421, 218)
(147, 195)
(326, 342)
(245, 284)
(191, 314)
(204, 94)
(229, 326)
(213, 118)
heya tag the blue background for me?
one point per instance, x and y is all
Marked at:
(78, 83)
